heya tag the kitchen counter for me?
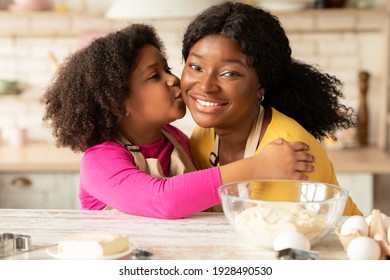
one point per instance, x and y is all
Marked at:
(204, 236)
(47, 157)
(367, 159)
(38, 157)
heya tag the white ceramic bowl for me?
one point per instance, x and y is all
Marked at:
(260, 210)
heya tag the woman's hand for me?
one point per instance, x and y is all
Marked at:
(284, 160)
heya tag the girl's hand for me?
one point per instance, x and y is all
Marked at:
(284, 160)
(278, 160)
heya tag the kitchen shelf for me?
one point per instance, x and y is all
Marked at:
(48, 23)
(30, 24)
(71, 21)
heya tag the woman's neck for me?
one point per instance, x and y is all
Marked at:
(232, 142)
(233, 139)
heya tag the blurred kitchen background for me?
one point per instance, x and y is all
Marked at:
(344, 38)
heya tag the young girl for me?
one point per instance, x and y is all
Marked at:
(114, 101)
(244, 90)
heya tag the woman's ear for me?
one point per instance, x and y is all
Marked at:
(260, 93)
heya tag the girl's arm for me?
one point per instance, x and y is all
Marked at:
(108, 174)
(278, 160)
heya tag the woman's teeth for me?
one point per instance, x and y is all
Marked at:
(207, 104)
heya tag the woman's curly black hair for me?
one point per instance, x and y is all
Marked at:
(294, 88)
(85, 101)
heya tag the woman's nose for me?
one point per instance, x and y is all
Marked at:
(207, 83)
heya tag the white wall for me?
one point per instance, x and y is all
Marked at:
(341, 45)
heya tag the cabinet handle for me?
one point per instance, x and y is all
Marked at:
(21, 182)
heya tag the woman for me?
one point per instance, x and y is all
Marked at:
(244, 90)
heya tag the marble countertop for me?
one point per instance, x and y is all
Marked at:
(204, 236)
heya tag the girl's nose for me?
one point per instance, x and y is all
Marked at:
(173, 81)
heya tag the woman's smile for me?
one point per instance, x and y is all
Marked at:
(207, 106)
(219, 85)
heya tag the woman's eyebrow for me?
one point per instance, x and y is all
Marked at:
(225, 60)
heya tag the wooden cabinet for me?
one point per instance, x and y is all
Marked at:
(39, 175)
(39, 190)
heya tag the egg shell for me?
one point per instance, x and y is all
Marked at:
(291, 239)
(388, 235)
(354, 223)
(363, 248)
(385, 220)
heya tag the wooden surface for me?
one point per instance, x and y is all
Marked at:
(367, 160)
(38, 157)
(46, 157)
(200, 237)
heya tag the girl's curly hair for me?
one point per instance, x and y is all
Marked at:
(85, 101)
(294, 88)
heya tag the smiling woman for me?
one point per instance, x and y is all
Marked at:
(216, 64)
(244, 90)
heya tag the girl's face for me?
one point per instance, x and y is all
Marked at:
(219, 85)
(155, 98)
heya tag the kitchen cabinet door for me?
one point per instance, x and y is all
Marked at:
(39, 190)
(361, 189)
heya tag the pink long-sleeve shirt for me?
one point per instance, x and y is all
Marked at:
(109, 176)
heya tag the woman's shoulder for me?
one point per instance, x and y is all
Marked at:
(278, 117)
(284, 126)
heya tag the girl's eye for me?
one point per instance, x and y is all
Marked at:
(169, 70)
(195, 67)
(154, 76)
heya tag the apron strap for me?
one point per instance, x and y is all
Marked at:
(180, 161)
(251, 143)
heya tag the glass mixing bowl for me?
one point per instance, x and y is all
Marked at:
(261, 209)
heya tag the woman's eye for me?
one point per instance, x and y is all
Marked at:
(230, 74)
(195, 67)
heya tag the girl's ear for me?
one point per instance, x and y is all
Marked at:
(127, 106)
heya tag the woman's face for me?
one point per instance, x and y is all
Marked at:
(155, 98)
(219, 85)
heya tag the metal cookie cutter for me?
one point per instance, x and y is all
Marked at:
(296, 254)
(12, 243)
